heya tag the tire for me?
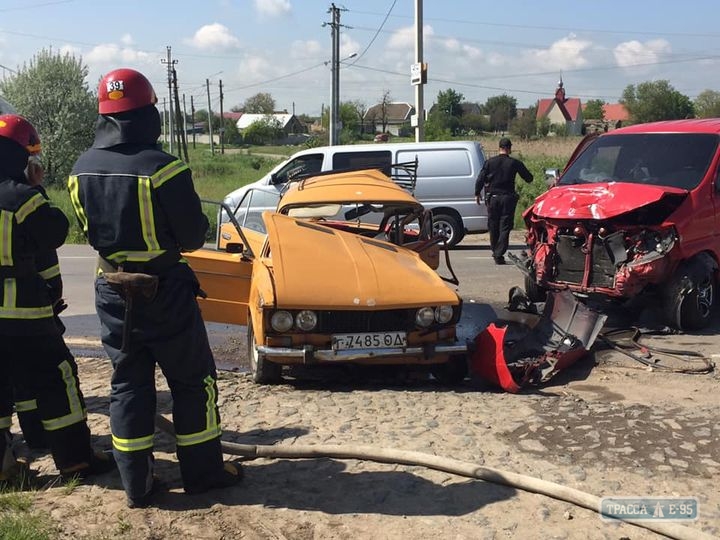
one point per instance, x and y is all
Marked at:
(535, 292)
(690, 296)
(452, 372)
(263, 371)
(449, 227)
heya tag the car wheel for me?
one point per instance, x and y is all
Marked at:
(535, 292)
(690, 296)
(263, 371)
(448, 226)
(451, 372)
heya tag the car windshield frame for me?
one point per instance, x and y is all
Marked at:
(675, 160)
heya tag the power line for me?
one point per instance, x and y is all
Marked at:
(36, 6)
(376, 33)
(633, 31)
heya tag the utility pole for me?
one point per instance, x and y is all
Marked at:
(182, 143)
(212, 142)
(184, 116)
(170, 63)
(165, 119)
(335, 75)
(222, 121)
(419, 93)
(192, 117)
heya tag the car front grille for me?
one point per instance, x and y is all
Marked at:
(366, 321)
(571, 262)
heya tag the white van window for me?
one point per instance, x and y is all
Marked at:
(307, 164)
(250, 209)
(379, 159)
(439, 163)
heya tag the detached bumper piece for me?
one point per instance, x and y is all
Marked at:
(512, 355)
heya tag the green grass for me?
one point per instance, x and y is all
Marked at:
(18, 522)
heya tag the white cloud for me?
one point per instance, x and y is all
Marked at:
(255, 68)
(127, 39)
(404, 38)
(110, 53)
(348, 46)
(302, 49)
(273, 8)
(214, 37)
(631, 53)
(566, 53)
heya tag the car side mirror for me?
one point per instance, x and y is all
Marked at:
(551, 177)
(234, 247)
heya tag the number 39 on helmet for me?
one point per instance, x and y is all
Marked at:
(124, 90)
(18, 129)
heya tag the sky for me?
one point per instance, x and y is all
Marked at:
(283, 47)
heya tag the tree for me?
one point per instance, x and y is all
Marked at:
(594, 109)
(260, 103)
(501, 109)
(449, 102)
(656, 100)
(263, 131)
(51, 92)
(525, 126)
(707, 104)
(384, 109)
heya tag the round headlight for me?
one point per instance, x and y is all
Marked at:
(443, 314)
(306, 320)
(281, 321)
(425, 317)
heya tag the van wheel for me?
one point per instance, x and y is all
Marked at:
(448, 226)
(535, 292)
(263, 371)
(451, 372)
(690, 296)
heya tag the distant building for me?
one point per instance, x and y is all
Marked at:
(562, 110)
(391, 119)
(615, 115)
(289, 123)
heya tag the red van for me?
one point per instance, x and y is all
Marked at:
(635, 212)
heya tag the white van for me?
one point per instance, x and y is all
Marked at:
(446, 176)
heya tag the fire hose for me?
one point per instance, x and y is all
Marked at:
(439, 463)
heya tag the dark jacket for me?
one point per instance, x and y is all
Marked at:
(498, 175)
(135, 202)
(30, 227)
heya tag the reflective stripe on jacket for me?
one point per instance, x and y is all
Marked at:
(136, 203)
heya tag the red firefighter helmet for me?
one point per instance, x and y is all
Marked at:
(18, 129)
(124, 90)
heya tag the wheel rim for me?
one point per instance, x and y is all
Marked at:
(444, 229)
(705, 297)
(253, 354)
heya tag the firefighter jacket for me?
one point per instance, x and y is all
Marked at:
(135, 203)
(29, 227)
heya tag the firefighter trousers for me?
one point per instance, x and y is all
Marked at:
(43, 367)
(167, 331)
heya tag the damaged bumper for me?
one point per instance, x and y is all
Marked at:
(512, 355)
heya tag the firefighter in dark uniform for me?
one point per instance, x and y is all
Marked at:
(48, 267)
(497, 182)
(139, 209)
(33, 354)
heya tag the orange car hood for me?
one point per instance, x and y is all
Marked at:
(317, 267)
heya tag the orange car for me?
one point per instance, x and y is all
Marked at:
(342, 270)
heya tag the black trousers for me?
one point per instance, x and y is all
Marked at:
(169, 332)
(501, 217)
(43, 367)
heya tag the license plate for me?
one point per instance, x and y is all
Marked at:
(370, 340)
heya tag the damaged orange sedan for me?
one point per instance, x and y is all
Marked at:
(340, 270)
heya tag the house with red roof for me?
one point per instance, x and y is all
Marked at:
(615, 115)
(562, 110)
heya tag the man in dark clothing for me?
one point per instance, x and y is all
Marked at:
(33, 354)
(139, 209)
(497, 182)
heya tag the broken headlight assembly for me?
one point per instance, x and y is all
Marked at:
(648, 244)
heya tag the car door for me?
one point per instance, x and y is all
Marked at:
(225, 272)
